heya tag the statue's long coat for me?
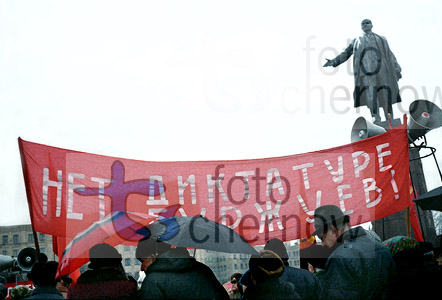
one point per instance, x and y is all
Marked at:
(383, 72)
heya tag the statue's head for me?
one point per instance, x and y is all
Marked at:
(366, 25)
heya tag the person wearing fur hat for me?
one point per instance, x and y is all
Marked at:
(266, 270)
(360, 267)
(305, 283)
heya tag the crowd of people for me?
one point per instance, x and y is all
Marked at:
(351, 263)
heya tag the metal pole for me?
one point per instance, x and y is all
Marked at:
(28, 194)
(437, 165)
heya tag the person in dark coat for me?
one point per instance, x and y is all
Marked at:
(266, 270)
(172, 274)
(236, 289)
(314, 257)
(305, 283)
(43, 276)
(415, 267)
(3, 291)
(106, 278)
(360, 267)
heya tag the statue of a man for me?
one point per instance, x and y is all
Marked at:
(376, 72)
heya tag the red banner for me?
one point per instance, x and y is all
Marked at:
(259, 198)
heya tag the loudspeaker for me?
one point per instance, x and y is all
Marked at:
(363, 129)
(6, 262)
(26, 259)
(424, 116)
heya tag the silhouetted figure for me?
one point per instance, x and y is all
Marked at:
(106, 279)
(418, 275)
(266, 270)
(172, 274)
(305, 283)
(3, 291)
(43, 277)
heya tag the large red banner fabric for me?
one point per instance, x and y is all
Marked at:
(259, 198)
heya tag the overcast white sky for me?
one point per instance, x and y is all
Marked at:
(196, 80)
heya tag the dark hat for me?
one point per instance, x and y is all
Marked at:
(328, 215)
(147, 247)
(277, 246)
(246, 279)
(266, 265)
(235, 277)
(104, 255)
(43, 273)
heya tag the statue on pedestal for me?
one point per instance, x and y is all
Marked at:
(376, 72)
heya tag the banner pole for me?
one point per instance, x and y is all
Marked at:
(407, 221)
(417, 208)
(28, 196)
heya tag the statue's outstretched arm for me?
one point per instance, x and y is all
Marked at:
(342, 57)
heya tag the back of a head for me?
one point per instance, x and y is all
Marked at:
(266, 265)
(147, 247)
(43, 273)
(277, 246)
(104, 255)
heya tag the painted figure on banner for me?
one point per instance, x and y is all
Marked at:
(376, 72)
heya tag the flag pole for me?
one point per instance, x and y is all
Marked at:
(28, 196)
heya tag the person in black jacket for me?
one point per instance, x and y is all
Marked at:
(305, 283)
(43, 277)
(265, 273)
(172, 274)
(106, 278)
(359, 267)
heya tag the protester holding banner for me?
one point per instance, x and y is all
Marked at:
(172, 274)
(360, 267)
